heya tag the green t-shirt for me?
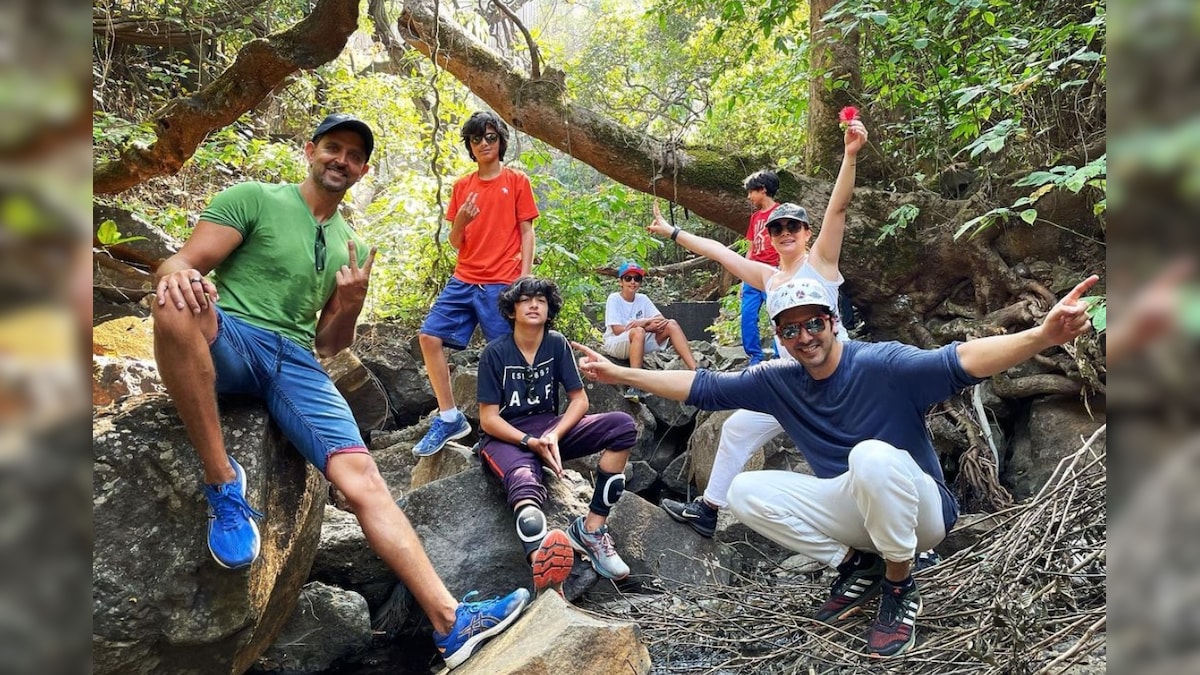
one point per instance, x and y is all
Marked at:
(271, 280)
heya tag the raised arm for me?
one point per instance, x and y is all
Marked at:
(335, 328)
(826, 251)
(751, 271)
(993, 355)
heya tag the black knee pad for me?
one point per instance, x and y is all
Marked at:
(531, 527)
(609, 488)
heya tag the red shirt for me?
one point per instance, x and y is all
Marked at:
(491, 250)
(760, 242)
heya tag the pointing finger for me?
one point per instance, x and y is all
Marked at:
(353, 254)
(1080, 289)
(586, 350)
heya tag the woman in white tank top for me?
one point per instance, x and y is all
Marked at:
(790, 231)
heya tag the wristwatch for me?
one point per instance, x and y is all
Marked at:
(524, 443)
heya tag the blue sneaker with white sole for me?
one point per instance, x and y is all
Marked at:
(476, 622)
(440, 433)
(233, 537)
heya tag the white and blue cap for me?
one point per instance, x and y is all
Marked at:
(798, 293)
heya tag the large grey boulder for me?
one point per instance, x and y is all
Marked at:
(1056, 427)
(386, 351)
(362, 390)
(660, 551)
(329, 626)
(552, 637)
(160, 603)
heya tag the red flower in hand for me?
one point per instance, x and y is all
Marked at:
(847, 115)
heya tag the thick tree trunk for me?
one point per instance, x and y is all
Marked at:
(260, 66)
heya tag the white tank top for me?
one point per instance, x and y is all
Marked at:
(807, 271)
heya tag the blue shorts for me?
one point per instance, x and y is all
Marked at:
(461, 307)
(298, 393)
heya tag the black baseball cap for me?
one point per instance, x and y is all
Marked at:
(347, 121)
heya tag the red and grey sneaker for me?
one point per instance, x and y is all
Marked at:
(852, 589)
(895, 627)
(552, 561)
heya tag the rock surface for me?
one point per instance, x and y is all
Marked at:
(552, 638)
(329, 626)
(160, 602)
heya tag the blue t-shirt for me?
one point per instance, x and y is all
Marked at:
(879, 391)
(520, 388)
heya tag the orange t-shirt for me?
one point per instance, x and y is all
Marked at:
(491, 250)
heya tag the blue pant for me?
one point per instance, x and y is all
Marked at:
(298, 393)
(462, 306)
(752, 301)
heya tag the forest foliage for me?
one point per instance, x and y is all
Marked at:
(1012, 93)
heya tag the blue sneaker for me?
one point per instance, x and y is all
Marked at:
(441, 432)
(475, 622)
(232, 534)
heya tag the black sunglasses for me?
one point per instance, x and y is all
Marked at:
(777, 227)
(815, 326)
(490, 137)
(530, 373)
(319, 248)
(632, 277)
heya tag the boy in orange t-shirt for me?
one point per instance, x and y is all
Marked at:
(492, 211)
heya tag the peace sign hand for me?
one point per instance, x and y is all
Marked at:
(352, 280)
(1068, 319)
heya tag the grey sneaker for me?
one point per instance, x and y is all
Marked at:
(598, 546)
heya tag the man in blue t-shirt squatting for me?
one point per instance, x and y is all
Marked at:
(856, 410)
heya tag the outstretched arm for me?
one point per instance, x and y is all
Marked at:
(827, 249)
(672, 384)
(751, 271)
(1067, 320)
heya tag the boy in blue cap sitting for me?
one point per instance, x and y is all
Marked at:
(634, 327)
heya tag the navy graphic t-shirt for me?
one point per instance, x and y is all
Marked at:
(521, 388)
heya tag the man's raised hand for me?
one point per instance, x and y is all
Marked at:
(1068, 319)
(352, 280)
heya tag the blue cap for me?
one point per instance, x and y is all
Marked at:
(630, 266)
(345, 121)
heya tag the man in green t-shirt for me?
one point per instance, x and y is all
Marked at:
(291, 277)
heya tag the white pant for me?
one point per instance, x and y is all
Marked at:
(618, 345)
(885, 504)
(742, 434)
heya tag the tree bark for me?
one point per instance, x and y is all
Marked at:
(260, 66)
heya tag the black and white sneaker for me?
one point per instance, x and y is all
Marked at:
(697, 513)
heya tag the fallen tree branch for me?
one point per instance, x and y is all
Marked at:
(260, 66)
(691, 264)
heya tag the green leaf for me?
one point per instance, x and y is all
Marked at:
(1098, 311)
(107, 233)
(1029, 215)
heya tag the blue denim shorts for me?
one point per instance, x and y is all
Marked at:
(461, 307)
(298, 393)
